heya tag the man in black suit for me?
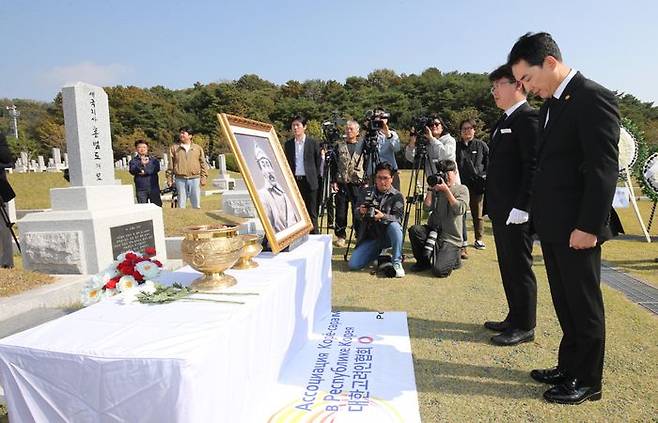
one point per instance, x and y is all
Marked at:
(570, 207)
(512, 161)
(303, 154)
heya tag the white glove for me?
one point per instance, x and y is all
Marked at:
(517, 217)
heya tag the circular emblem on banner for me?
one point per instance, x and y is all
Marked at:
(650, 172)
(627, 150)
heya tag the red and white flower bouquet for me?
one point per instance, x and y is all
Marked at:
(131, 274)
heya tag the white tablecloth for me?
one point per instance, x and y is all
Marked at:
(180, 362)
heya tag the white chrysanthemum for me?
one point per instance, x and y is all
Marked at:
(147, 269)
(130, 296)
(121, 257)
(126, 282)
(147, 287)
(111, 270)
(91, 295)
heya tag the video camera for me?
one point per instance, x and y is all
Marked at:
(373, 121)
(330, 129)
(418, 129)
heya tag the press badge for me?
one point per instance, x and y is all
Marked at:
(506, 131)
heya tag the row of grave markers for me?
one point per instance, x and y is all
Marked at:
(55, 164)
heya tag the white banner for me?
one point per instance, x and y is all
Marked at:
(359, 369)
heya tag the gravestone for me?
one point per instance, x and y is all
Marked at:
(52, 167)
(57, 158)
(42, 164)
(224, 182)
(96, 216)
(66, 160)
(33, 166)
(24, 157)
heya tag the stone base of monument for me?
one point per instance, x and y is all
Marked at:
(238, 203)
(87, 228)
(224, 183)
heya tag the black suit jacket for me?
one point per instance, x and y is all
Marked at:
(512, 162)
(576, 163)
(312, 160)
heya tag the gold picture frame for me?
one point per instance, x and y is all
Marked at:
(268, 177)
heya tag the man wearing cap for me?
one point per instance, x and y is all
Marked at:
(279, 209)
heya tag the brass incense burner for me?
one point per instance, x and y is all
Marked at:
(252, 247)
(211, 249)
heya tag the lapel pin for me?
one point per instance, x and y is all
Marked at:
(567, 97)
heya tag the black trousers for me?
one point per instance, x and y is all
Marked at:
(153, 195)
(575, 280)
(348, 194)
(446, 256)
(514, 250)
(310, 198)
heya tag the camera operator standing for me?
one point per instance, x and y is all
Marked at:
(145, 168)
(441, 145)
(387, 142)
(441, 238)
(347, 177)
(382, 212)
(6, 195)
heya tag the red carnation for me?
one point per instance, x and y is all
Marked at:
(112, 283)
(138, 276)
(149, 251)
(157, 263)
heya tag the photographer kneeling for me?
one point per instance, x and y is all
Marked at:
(382, 213)
(441, 238)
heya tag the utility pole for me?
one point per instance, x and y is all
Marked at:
(14, 114)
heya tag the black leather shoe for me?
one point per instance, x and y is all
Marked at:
(513, 336)
(572, 391)
(497, 326)
(552, 376)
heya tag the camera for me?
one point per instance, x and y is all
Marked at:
(373, 121)
(167, 190)
(330, 131)
(437, 178)
(418, 129)
(430, 243)
(371, 202)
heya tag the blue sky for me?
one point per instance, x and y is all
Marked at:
(46, 44)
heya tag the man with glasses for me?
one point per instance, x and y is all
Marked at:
(573, 188)
(382, 222)
(512, 162)
(472, 160)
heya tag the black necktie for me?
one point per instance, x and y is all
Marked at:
(552, 103)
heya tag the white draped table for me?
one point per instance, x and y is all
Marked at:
(187, 361)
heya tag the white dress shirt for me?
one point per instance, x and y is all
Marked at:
(299, 156)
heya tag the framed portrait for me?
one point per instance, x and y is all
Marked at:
(268, 177)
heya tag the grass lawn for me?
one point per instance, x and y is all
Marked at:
(461, 377)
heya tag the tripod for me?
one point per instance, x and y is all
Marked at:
(370, 156)
(422, 163)
(325, 189)
(8, 223)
